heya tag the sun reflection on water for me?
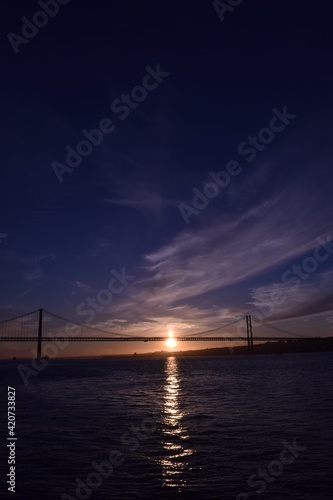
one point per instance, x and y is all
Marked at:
(175, 434)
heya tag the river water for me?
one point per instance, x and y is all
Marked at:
(234, 427)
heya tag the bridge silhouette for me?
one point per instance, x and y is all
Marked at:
(44, 326)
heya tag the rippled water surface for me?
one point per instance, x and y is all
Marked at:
(226, 428)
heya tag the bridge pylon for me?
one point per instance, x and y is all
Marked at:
(249, 332)
(40, 332)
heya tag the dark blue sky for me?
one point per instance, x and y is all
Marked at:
(221, 84)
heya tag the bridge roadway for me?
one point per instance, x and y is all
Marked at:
(148, 339)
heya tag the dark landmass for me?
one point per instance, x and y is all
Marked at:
(278, 348)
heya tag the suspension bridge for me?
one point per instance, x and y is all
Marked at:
(44, 326)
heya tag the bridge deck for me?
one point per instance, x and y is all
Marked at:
(150, 339)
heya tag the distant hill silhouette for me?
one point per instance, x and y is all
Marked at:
(280, 347)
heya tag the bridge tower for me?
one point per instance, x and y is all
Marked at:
(40, 328)
(249, 335)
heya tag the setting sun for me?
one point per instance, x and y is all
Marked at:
(171, 342)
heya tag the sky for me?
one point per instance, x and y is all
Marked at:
(167, 166)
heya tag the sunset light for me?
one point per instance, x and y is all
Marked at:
(166, 250)
(171, 342)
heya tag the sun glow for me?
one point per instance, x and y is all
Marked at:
(171, 341)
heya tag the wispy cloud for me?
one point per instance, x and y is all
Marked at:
(144, 201)
(36, 271)
(144, 197)
(309, 298)
(77, 288)
(227, 253)
(29, 266)
(268, 231)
